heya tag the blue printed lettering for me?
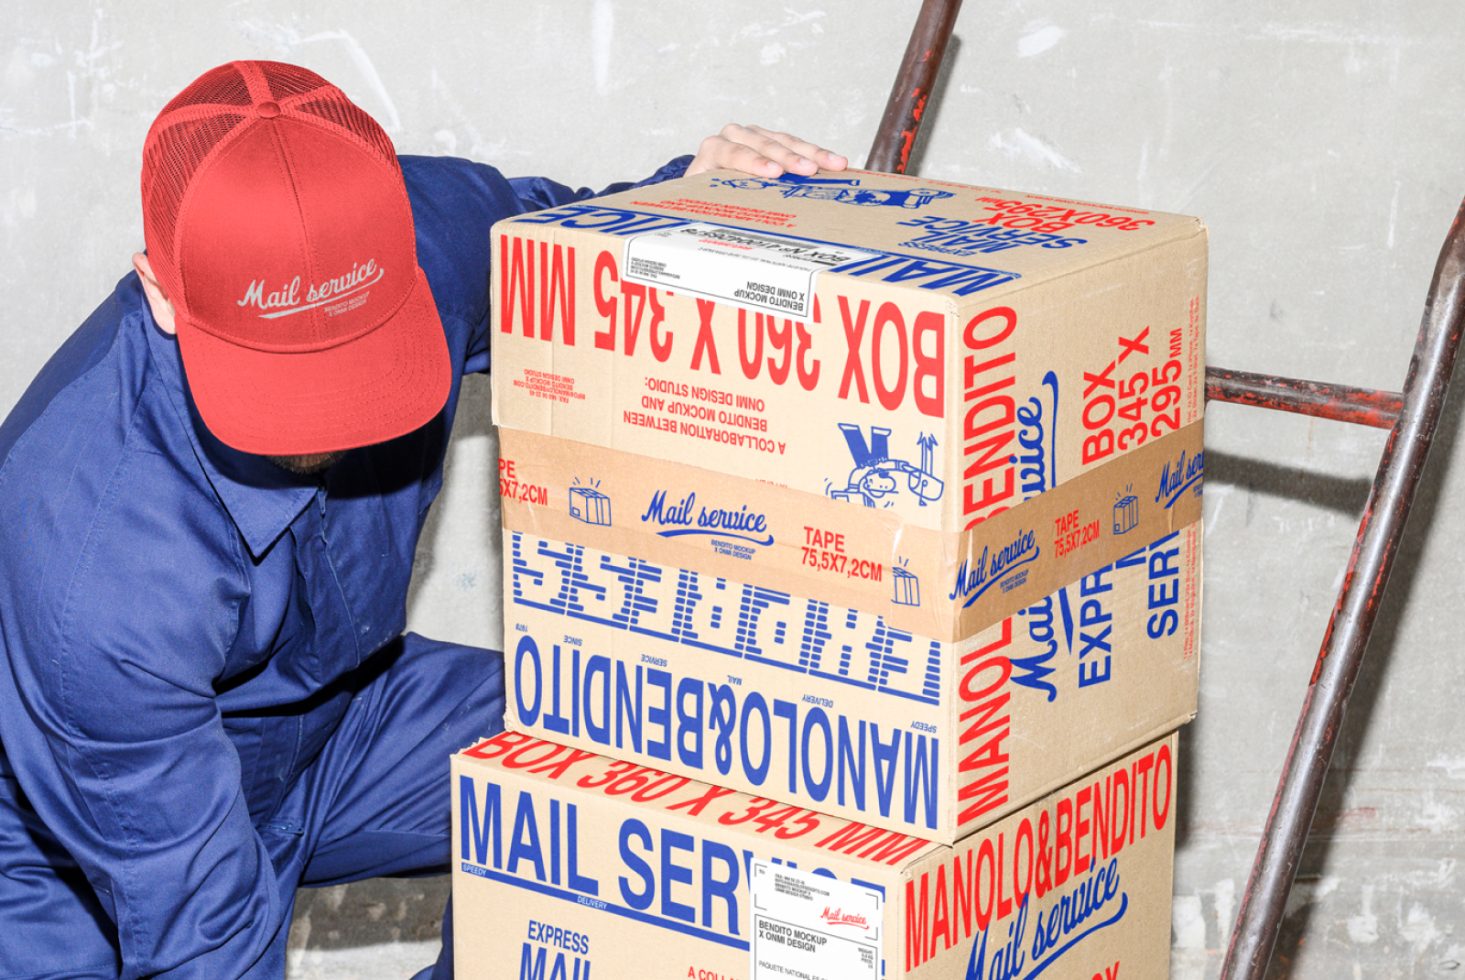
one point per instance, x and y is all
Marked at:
(666, 717)
(481, 836)
(975, 576)
(957, 236)
(1164, 587)
(1095, 660)
(1183, 473)
(711, 613)
(684, 517)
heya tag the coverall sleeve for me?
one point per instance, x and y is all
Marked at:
(455, 204)
(120, 745)
(536, 193)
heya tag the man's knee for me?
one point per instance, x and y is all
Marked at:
(474, 676)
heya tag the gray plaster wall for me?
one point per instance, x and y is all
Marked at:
(1322, 141)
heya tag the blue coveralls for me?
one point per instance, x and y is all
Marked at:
(205, 695)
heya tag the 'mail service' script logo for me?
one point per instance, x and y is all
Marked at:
(287, 299)
(677, 518)
(976, 575)
(839, 917)
(1186, 472)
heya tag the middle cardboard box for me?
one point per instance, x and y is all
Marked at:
(808, 702)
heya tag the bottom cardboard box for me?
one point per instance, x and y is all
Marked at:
(572, 866)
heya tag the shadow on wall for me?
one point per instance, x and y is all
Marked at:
(474, 421)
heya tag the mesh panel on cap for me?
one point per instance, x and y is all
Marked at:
(174, 151)
(224, 85)
(287, 80)
(196, 121)
(334, 107)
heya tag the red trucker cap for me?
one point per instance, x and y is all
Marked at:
(277, 222)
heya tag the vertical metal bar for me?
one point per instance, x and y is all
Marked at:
(1384, 516)
(1379, 533)
(891, 150)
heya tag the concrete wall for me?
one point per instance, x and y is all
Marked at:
(1321, 140)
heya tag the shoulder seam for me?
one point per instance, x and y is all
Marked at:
(30, 429)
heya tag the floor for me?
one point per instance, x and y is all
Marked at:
(387, 961)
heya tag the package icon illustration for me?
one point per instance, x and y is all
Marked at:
(589, 505)
(1126, 514)
(907, 587)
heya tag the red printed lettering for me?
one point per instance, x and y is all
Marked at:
(900, 359)
(555, 279)
(624, 310)
(986, 723)
(988, 414)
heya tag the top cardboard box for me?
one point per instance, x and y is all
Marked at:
(931, 354)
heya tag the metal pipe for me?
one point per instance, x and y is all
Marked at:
(1363, 406)
(1412, 419)
(891, 150)
(1379, 533)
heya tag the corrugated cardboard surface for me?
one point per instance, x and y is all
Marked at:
(568, 864)
(816, 704)
(950, 376)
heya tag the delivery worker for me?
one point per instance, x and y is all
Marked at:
(211, 498)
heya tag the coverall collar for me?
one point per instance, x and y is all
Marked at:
(261, 498)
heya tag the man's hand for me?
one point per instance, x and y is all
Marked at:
(762, 153)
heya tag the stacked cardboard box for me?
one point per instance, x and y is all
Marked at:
(568, 861)
(868, 496)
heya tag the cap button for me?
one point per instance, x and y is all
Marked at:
(268, 110)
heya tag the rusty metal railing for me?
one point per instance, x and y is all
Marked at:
(1410, 417)
(1374, 549)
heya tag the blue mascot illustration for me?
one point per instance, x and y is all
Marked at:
(877, 476)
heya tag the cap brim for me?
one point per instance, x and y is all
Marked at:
(376, 387)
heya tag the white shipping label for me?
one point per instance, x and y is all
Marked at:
(811, 927)
(762, 272)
